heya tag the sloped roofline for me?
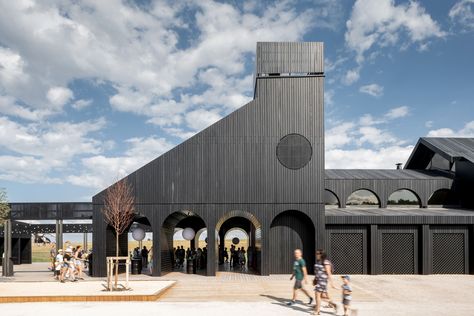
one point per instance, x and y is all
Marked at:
(430, 143)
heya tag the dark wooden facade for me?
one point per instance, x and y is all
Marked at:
(254, 168)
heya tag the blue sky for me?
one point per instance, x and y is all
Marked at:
(92, 90)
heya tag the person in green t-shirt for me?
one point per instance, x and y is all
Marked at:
(300, 273)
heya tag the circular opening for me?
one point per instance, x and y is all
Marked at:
(294, 151)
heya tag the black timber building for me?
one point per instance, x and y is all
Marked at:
(261, 169)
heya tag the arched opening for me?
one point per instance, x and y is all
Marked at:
(404, 198)
(140, 245)
(290, 230)
(180, 247)
(330, 199)
(363, 197)
(239, 242)
(445, 198)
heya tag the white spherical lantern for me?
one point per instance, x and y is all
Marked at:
(138, 234)
(235, 240)
(188, 233)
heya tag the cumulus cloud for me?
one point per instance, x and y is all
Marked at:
(100, 171)
(397, 112)
(38, 149)
(462, 14)
(141, 51)
(59, 96)
(366, 142)
(383, 23)
(363, 158)
(466, 131)
(373, 89)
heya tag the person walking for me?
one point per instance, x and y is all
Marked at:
(300, 273)
(323, 276)
(346, 294)
(52, 257)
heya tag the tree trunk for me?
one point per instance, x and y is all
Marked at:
(116, 258)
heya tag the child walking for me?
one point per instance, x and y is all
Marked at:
(346, 294)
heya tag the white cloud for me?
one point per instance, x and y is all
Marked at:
(351, 76)
(201, 118)
(339, 135)
(429, 124)
(81, 104)
(141, 54)
(375, 136)
(9, 106)
(38, 149)
(398, 112)
(462, 14)
(373, 89)
(383, 23)
(362, 158)
(100, 171)
(59, 96)
(466, 131)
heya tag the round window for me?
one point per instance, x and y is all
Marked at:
(294, 151)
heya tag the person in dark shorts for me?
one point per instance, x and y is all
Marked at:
(346, 294)
(300, 273)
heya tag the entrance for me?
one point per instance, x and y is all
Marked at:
(181, 247)
(239, 243)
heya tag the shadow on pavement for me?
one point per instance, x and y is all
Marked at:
(284, 301)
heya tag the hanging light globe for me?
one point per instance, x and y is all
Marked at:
(138, 234)
(235, 240)
(188, 233)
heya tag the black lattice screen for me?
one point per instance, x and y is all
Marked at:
(398, 253)
(347, 251)
(448, 253)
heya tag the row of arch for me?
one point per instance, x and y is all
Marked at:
(400, 197)
(288, 230)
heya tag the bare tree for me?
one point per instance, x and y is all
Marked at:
(119, 212)
(4, 207)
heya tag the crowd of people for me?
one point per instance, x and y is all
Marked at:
(68, 264)
(197, 256)
(323, 276)
(237, 258)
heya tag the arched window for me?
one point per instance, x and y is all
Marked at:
(403, 198)
(444, 197)
(330, 199)
(364, 198)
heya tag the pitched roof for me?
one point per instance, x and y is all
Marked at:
(451, 148)
(384, 174)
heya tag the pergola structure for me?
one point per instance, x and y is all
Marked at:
(27, 219)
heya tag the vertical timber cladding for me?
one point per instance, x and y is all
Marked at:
(294, 105)
(398, 249)
(234, 161)
(347, 248)
(449, 250)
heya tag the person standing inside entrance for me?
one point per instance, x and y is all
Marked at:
(300, 273)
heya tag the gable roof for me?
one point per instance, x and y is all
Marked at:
(451, 148)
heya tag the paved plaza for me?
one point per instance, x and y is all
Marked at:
(239, 294)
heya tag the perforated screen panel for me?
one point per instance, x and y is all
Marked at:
(347, 250)
(398, 253)
(294, 151)
(448, 253)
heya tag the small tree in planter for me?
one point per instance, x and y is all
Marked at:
(119, 212)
